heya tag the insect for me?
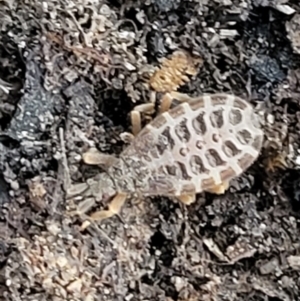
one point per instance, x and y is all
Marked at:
(199, 145)
(173, 73)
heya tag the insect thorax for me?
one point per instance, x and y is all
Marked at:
(130, 174)
(103, 186)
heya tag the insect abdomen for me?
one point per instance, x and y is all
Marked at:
(195, 146)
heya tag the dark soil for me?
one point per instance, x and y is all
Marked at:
(70, 73)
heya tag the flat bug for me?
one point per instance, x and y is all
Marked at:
(199, 145)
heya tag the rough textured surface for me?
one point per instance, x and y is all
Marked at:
(94, 60)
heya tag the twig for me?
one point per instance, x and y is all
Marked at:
(66, 171)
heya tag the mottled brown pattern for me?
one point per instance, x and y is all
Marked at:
(244, 136)
(159, 121)
(196, 146)
(235, 116)
(182, 131)
(188, 189)
(197, 166)
(196, 103)
(176, 112)
(227, 174)
(218, 99)
(207, 183)
(239, 103)
(230, 149)
(244, 161)
(199, 124)
(216, 118)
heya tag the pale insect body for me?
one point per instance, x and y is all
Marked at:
(193, 147)
(199, 145)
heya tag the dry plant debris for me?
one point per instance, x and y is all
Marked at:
(43, 259)
(174, 72)
(293, 30)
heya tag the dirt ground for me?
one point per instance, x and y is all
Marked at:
(70, 73)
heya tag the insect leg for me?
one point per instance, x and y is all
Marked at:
(168, 98)
(219, 189)
(135, 115)
(113, 208)
(94, 157)
(187, 199)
